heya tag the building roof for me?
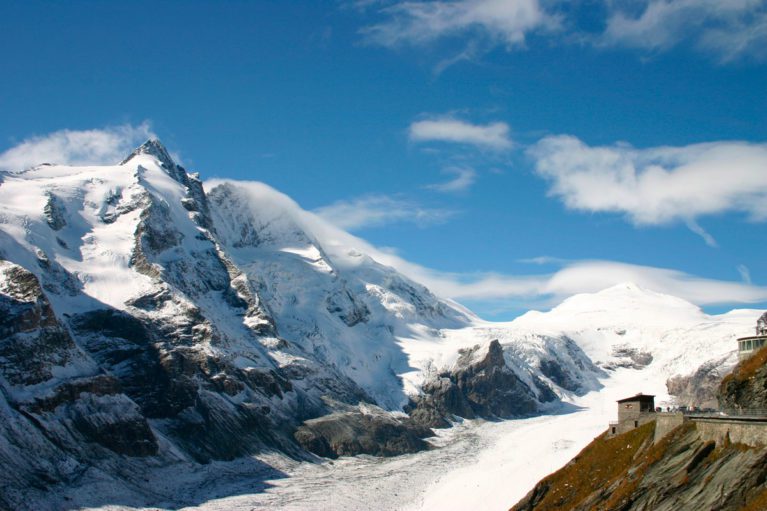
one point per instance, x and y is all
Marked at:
(638, 397)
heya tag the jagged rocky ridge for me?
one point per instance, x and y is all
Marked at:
(145, 319)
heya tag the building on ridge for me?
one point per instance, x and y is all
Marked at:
(747, 346)
(633, 412)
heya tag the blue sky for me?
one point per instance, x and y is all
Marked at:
(517, 151)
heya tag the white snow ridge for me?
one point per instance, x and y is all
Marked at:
(169, 344)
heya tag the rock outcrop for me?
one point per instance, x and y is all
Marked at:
(480, 384)
(364, 429)
(699, 388)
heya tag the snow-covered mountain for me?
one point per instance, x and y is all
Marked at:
(627, 326)
(149, 322)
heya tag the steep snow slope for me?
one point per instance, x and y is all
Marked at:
(346, 309)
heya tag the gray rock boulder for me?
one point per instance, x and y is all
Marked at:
(364, 429)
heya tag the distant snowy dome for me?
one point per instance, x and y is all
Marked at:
(625, 304)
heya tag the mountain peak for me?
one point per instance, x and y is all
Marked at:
(153, 147)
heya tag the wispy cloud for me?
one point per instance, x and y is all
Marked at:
(658, 185)
(418, 23)
(728, 29)
(494, 136)
(544, 260)
(378, 210)
(745, 273)
(463, 180)
(69, 147)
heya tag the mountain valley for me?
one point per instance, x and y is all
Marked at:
(154, 325)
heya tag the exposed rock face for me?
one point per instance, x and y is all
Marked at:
(629, 357)
(57, 406)
(32, 341)
(478, 386)
(699, 388)
(364, 430)
(567, 367)
(54, 212)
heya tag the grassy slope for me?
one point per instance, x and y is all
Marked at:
(600, 464)
(747, 368)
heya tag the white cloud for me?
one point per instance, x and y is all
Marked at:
(68, 147)
(377, 210)
(729, 28)
(463, 180)
(493, 136)
(418, 23)
(583, 277)
(659, 185)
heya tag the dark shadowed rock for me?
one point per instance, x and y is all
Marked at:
(32, 341)
(628, 357)
(480, 385)
(55, 211)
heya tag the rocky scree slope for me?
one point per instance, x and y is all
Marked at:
(681, 471)
(146, 322)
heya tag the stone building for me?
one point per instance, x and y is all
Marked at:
(633, 412)
(747, 346)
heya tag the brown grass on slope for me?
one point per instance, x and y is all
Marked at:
(600, 464)
(747, 368)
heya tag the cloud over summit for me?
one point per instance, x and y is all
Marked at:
(105, 146)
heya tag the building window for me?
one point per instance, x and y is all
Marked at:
(613, 430)
(636, 424)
